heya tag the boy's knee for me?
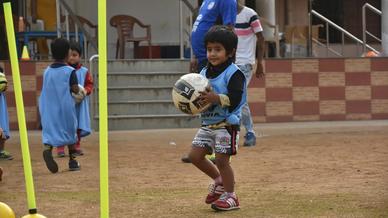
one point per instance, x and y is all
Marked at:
(196, 157)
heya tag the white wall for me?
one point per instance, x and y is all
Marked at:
(162, 15)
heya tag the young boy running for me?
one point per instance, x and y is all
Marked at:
(57, 106)
(221, 122)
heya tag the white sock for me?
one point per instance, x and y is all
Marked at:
(231, 194)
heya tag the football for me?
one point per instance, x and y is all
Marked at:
(3, 82)
(78, 97)
(185, 93)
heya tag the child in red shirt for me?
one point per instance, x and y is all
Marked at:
(85, 80)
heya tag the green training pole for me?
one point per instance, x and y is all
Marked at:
(20, 108)
(103, 108)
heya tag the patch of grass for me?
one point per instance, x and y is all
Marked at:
(175, 202)
(285, 204)
(82, 196)
(260, 204)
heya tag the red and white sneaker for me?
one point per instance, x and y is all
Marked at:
(226, 202)
(215, 191)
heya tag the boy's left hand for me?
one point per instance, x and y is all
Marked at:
(209, 97)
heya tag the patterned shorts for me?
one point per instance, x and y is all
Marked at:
(222, 141)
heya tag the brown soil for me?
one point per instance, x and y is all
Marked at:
(290, 173)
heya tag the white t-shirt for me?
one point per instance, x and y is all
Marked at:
(247, 25)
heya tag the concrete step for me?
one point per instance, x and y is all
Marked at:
(132, 122)
(139, 93)
(148, 65)
(143, 78)
(165, 107)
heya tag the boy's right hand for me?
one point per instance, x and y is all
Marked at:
(209, 96)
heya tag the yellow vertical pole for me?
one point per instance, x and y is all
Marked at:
(20, 109)
(103, 108)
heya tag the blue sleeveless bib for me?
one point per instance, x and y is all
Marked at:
(4, 122)
(57, 108)
(82, 108)
(217, 113)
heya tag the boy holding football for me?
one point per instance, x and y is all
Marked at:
(82, 108)
(57, 106)
(221, 122)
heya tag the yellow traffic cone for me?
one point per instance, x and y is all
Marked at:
(25, 55)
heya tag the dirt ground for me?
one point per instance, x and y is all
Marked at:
(294, 171)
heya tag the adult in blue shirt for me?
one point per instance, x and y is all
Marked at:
(210, 13)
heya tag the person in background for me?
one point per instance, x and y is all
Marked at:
(250, 39)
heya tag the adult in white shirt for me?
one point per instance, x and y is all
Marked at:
(249, 31)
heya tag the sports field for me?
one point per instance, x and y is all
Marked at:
(296, 170)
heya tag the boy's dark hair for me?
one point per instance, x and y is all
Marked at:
(75, 46)
(1, 70)
(60, 48)
(223, 35)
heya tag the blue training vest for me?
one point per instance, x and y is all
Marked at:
(217, 113)
(4, 122)
(82, 108)
(57, 108)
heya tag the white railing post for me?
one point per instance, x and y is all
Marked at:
(384, 27)
(365, 32)
(181, 25)
(181, 30)
(67, 25)
(363, 29)
(58, 8)
(93, 100)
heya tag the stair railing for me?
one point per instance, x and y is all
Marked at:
(183, 30)
(94, 98)
(69, 13)
(365, 32)
(344, 33)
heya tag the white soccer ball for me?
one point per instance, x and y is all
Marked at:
(78, 97)
(186, 92)
(3, 82)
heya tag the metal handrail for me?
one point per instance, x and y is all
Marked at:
(192, 9)
(73, 16)
(342, 30)
(364, 31)
(93, 103)
(187, 3)
(328, 48)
